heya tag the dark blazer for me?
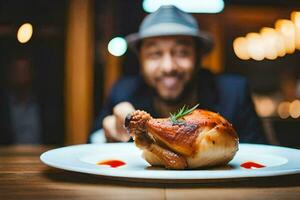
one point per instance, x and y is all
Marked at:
(228, 95)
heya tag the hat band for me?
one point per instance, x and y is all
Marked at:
(164, 29)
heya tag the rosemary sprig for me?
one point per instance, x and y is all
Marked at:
(181, 112)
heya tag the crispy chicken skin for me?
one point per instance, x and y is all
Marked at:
(201, 139)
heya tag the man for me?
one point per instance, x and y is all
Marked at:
(169, 45)
(28, 113)
(19, 108)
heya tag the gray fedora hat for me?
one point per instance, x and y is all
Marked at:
(168, 20)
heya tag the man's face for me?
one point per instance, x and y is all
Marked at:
(168, 64)
(21, 74)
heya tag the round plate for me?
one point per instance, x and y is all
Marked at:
(84, 158)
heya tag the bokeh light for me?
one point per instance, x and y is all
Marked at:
(295, 16)
(255, 46)
(287, 29)
(280, 45)
(294, 109)
(117, 46)
(25, 33)
(270, 40)
(283, 109)
(240, 48)
(265, 106)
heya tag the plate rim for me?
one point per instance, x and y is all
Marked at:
(138, 177)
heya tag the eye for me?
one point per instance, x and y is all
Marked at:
(154, 54)
(181, 52)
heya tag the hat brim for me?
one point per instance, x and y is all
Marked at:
(204, 40)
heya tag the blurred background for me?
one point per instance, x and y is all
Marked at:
(59, 59)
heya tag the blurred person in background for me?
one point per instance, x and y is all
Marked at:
(170, 45)
(20, 110)
(289, 86)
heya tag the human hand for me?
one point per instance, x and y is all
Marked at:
(113, 125)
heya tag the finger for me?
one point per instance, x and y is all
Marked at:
(110, 131)
(120, 111)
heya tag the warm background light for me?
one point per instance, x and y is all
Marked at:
(283, 109)
(255, 46)
(281, 51)
(295, 16)
(24, 33)
(271, 44)
(287, 29)
(240, 48)
(265, 106)
(294, 109)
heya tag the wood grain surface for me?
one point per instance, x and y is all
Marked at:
(23, 176)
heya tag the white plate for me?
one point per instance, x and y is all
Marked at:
(84, 158)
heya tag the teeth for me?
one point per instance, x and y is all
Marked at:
(170, 81)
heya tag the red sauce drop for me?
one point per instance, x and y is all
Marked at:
(112, 163)
(252, 165)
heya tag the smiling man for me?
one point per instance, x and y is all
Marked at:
(169, 45)
(168, 65)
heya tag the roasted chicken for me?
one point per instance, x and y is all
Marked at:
(199, 139)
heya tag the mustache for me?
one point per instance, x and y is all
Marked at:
(177, 75)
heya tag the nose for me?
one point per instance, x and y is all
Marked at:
(168, 64)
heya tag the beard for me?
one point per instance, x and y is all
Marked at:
(188, 88)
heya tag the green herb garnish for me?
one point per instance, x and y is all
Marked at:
(180, 113)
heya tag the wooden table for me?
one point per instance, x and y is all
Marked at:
(23, 176)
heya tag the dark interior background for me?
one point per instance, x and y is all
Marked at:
(113, 18)
(45, 51)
